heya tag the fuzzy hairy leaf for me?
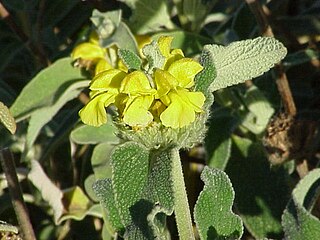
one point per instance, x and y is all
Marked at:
(153, 55)
(142, 188)
(218, 138)
(213, 215)
(86, 134)
(104, 191)
(7, 119)
(260, 110)
(45, 88)
(149, 16)
(254, 183)
(243, 60)
(130, 59)
(297, 220)
(112, 30)
(204, 79)
(49, 192)
(106, 22)
(43, 115)
(100, 160)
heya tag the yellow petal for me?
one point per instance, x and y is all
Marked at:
(94, 113)
(122, 66)
(195, 100)
(136, 83)
(88, 51)
(137, 111)
(184, 70)
(142, 40)
(178, 114)
(102, 65)
(164, 43)
(109, 80)
(164, 82)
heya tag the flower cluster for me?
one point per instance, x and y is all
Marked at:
(141, 98)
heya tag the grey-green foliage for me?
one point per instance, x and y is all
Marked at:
(213, 215)
(142, 190)
(218, 139)
(255, 185)
(297, 220)
(243, 60)
(112, 30)
(259, 110)
(45, 88)
(86, 134)
(130, 59)
(149, 16)
(43, 115)
(153, 55)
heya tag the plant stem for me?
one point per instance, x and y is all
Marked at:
(181, 205)
(281, 77)
(19, 206)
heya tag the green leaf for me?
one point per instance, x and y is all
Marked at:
(100, 160)
(112, 30)
(297, 220)
(88, 187)
(130, 163)
(106, 23)
(218, 139)
(149, 16)
(130, 59)
(196, 12)
(212, 213)
(104, 191)
(142, 185)
(153, 55)
(49, 192)
(256, 184)
(76, 204)
(260, 110)
(42, 116)
(7, 119)
(244, 60)
(86, 134)
(45, 88)
(204, 79)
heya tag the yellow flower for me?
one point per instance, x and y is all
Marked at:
(182, 107)
(172, 89)
(164, 43)
(164, 96)
(105, 88)
(140, 97)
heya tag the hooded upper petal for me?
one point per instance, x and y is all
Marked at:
(185, 70)
(136, 83)
(94, 112)
(137, 112)
(109, 80)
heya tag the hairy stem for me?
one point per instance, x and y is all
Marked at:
(19, 206)
(281, 77)
(181, 205)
